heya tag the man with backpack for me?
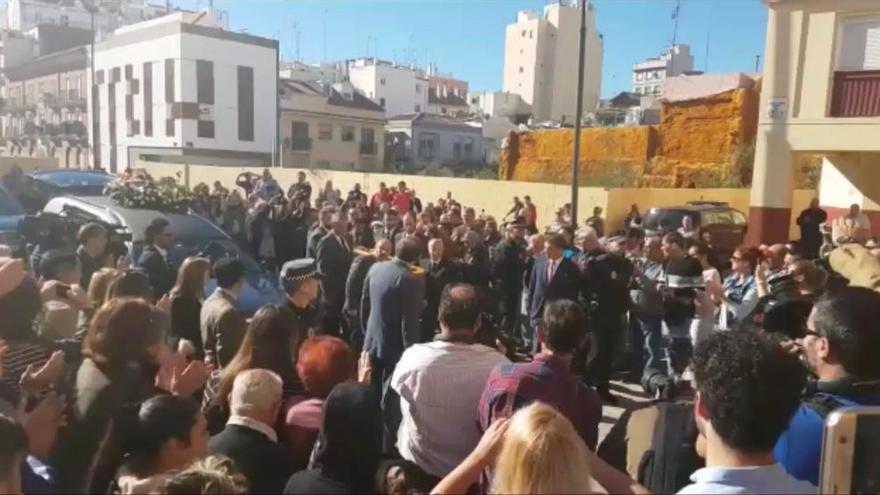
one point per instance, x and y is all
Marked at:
(841, 346)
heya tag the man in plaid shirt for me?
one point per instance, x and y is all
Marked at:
(548, 378)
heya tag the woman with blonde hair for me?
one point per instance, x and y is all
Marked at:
(186, 297)
(536, 451)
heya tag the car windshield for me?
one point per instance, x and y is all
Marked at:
(8, 204)
(213, 249)
(667, 220)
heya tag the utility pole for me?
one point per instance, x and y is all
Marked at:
(582, 53)
(757, 63)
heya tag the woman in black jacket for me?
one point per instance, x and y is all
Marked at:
(187, 296)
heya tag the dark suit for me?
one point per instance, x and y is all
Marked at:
(564, 285)
(390, 308)
(507, 275)
(222, 327)
(312, 240)
(354, 290)
(333, 255)
(266, 464)
(438, 275)
(158, 270)
(186, 321)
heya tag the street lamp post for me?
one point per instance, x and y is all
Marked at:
(582, 53)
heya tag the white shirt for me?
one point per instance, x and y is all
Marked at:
(440, 384)
(253, 425)
(770, 479)
(163, 252)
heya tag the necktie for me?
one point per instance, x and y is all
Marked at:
(550, 271)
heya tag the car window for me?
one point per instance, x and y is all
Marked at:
(717, 218)
(738, 217)
(8, 204)
(667, 220)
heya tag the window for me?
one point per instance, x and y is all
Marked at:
(347, 134)
(99, 77)
(382, 102)
(418, 108)
(382, 81)
(468, 148)
(206, 129)
(521, 70)
(456, 147)
(245, 103)
(860, 44)
(299, 134)
(368, 141)
(640, 76)
(148, 99)
(169, 81)
(169, 127)
(418, 88)
(524, 33)
(111, 121)
(531, 34)
(325, 132)
(115, 75)
(426, 146)
(205, 82)
(128, 72)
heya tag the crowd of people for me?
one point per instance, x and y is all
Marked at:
(424, 348)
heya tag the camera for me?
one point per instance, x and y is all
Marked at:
(784, 311)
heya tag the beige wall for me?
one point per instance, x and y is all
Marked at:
(335, 153)
(26, 164)
(494, 197)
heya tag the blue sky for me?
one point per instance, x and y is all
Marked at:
(466, 37)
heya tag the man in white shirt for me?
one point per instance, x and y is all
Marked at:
(858, 218)
(440, 383)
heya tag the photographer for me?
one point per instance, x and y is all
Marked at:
(61, 270)
(91, 251)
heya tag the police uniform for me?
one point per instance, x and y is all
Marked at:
(307, 319)
(607, 277)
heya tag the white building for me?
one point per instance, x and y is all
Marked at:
(399, 89)
(498, 104)
(180, 89)
(649, 77)
(22, 15)
(541, 57)
(326, 73)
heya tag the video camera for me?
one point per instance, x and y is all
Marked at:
(783, 311)
(47, 231)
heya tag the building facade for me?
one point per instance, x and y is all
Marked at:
(327, 126)
(397, 88)
(446, 94)
(180, 89)
(541, 56)
(418, 141)
(649, 76)
(820, 96)
(21, 15)
(498, 104)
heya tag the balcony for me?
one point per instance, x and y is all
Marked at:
(299, 143)
(369, 149)
(856, 94)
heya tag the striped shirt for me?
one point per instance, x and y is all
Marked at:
(19, 355)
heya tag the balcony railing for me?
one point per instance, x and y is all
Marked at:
(369, 148)
(856, 94)
(301, 144)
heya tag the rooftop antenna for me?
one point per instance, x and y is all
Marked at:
(675, 15)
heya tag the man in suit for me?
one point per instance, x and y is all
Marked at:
(507, 275)
(354, 289)
(409, 229)
(249, 438)
(333, 255)
(154, 258)
(390, 307)
(321, 228)
(439, 272)
(553, 277)
(223, 325)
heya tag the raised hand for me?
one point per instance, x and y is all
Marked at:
(365, 369)
(42, 424)
(35, 380)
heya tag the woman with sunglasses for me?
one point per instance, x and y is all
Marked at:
(739, 294)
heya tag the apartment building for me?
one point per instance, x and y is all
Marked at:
(180, 88)
(399, 89)
(541, 56)
(498, 104)
(446, 94)
(21, 15)
(820, 96)
(417, 141)
(330, 126)
(649, 76)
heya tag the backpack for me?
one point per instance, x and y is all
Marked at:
(667, 466)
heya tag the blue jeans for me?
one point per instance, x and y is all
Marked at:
(646, 342)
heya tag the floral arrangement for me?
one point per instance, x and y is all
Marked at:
(143, 192)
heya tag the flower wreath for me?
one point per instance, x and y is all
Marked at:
(164, 195)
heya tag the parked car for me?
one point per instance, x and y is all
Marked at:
(11, 213)
(40, 186)
(724, 226)
(193, 236)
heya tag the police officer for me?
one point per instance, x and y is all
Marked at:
(507, 275)
(607, 278)
(300, 281)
